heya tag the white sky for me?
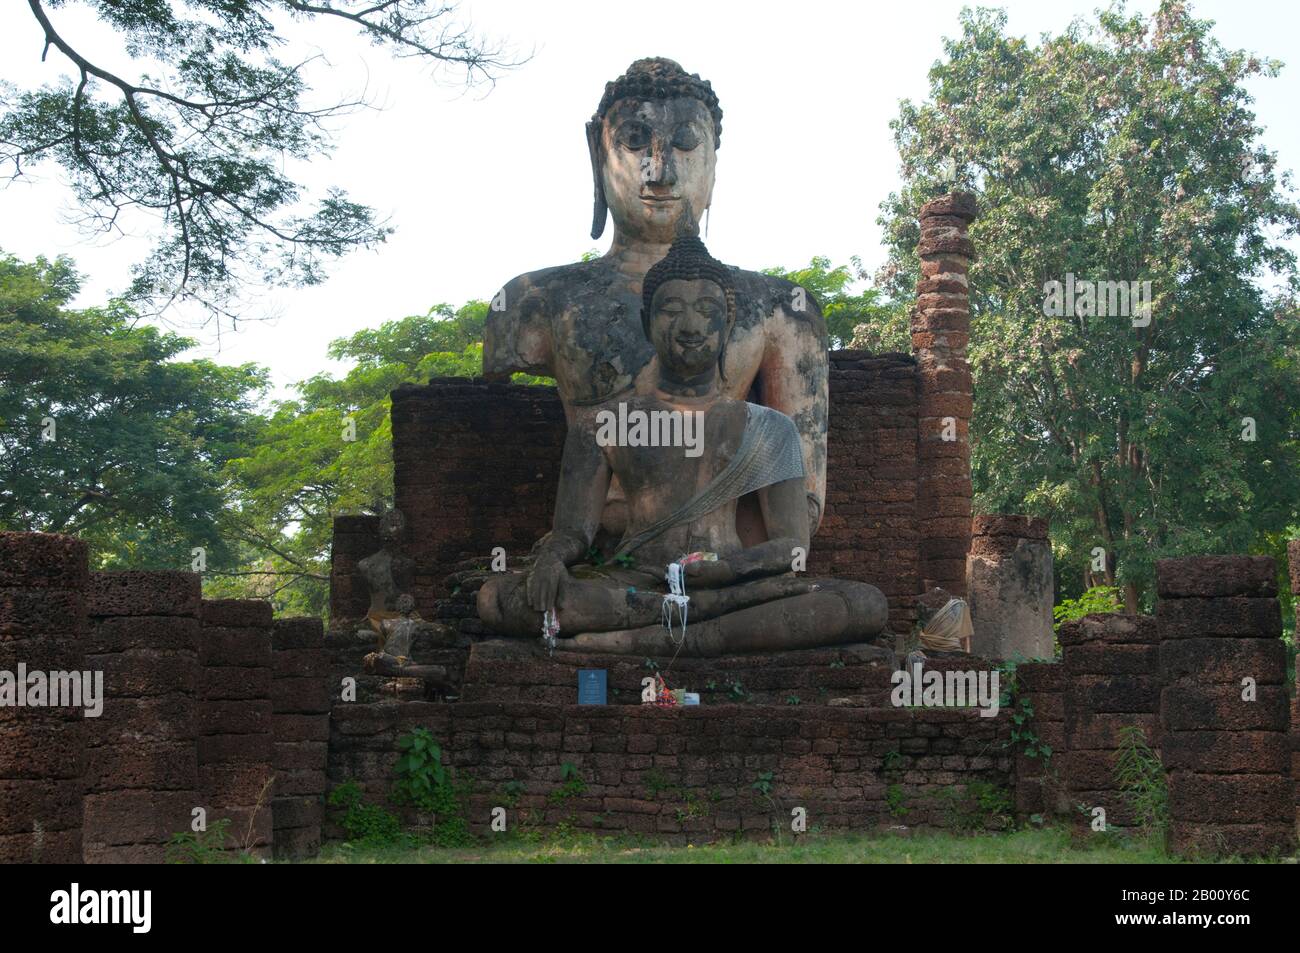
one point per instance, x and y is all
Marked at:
(485, 185)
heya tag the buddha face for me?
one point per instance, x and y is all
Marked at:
(659, 160)
(688, 320)
(391, 526)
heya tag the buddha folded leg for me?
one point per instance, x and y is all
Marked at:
(838, 611)
(621, 599)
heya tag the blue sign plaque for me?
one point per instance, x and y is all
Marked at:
(591, 686)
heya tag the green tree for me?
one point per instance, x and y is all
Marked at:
(197, 132)
(864, 320)
(1122, 150)
(329, 451)
(105, 433)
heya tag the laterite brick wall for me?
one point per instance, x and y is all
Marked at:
(1225, 746)
(42, 750)
(301, 696)
(235, 738)
(1110, 665)
(142, 777)
(689, 772)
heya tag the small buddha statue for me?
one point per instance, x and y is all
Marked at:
(381, 572)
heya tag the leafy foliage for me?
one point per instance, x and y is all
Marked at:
(197, 133)
(1141, 777)
(1122, 149)
(976, 806)
(862, 320)
(367, 824)
(419, 770)
(200, 847)
(139, 437)
(425, 784)
(1098, 599)
(571, 784)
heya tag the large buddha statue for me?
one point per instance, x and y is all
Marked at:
(653, 143)
(697, 452)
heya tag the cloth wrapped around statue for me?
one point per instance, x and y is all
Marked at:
(949, 629)
(769, 453)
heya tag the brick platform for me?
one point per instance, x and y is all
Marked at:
(513, 670)
(689, 772)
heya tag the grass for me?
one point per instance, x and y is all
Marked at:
(1049, 845)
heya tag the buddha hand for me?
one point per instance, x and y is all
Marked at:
(544, 582)
(709, 574)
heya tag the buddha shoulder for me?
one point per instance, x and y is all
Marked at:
(550, 288)
(762, 297)
(519, 328)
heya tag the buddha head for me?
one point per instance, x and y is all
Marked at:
(653, 143)
(688, 308)
(392, 526)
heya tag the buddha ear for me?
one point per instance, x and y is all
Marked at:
(726, 331)
(600, 210)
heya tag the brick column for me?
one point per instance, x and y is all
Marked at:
(42, 753)
(235, 741)
(940, 334)
(300, 700)
(1225, 746)
(1109, 661)
(142, 775)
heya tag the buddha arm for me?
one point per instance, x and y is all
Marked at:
(784, 508)
(580, 499)
(517, 336)
(794, 380)
(584, 483)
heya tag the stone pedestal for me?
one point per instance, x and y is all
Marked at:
(1009, 580)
